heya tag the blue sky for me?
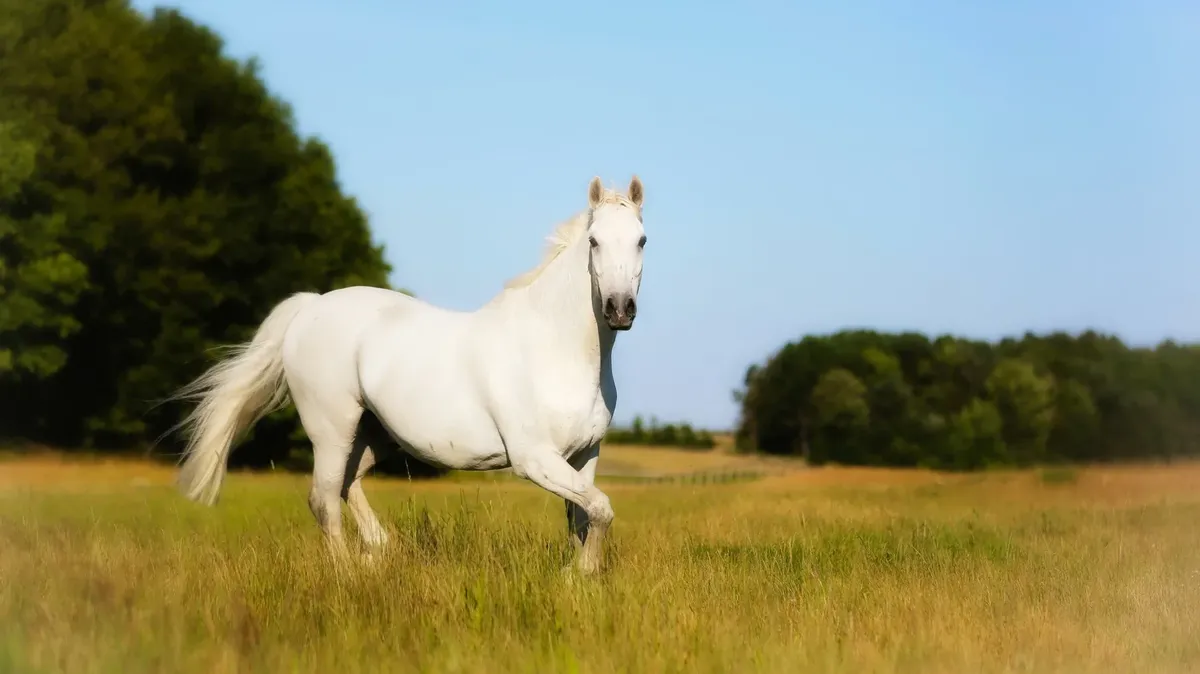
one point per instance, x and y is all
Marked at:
(980, 168)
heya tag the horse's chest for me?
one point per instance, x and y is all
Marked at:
(575, 401)
(580, 423)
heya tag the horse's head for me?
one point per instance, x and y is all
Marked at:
(616, 237)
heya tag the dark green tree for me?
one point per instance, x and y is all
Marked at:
(976, 438)
(158, 204)
(840, 420)
(1025, 400)
(40, 281)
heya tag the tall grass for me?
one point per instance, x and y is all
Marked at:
(981, 574)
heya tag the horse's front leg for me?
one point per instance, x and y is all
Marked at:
(584, 463)
(550, 471)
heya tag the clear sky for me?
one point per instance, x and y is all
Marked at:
(980, 168)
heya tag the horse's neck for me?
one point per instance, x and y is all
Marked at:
(563, 294)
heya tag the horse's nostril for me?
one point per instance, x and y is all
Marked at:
(609, 307)
(630, 307)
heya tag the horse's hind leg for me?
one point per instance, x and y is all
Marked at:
(324, 498)
(374, 536)
(330, 425)
(368, 435)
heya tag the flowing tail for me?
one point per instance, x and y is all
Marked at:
(233, 395)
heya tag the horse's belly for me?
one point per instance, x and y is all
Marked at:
(458, 451)
(445, 431)
(441, 429)
(414, 379)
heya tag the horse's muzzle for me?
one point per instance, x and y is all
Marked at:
(619, 311)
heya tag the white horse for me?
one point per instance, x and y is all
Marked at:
(524, 381)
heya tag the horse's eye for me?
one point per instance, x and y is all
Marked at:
(642, 242)
(592, 241)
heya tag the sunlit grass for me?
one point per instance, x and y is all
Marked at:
(825, 570)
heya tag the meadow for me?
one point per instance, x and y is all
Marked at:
(105, 568)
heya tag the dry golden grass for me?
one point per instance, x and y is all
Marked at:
(58, 471)
(842, 570)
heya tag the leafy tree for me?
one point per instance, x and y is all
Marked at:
(976, 438)
(1076, 431)
(158, 204)
(841, 416)
(892, 409)
(638, 431)
(40, 281)
(1025, 401)
(747, 431)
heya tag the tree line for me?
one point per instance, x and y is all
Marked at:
(660, 435)
(865, 397)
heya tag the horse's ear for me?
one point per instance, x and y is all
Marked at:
(595, 192)
(636, 193)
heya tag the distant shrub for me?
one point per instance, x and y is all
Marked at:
(666, 435)
(1059, 475)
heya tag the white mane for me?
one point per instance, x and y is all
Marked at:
(565, 234)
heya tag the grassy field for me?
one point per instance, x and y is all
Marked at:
(104, 568)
